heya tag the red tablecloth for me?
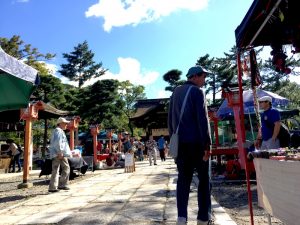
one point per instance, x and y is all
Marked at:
(102, 157)
(225, 151)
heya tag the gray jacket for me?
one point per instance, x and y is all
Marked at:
(194, 126)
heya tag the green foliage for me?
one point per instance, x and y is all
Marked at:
(51, 90)
(173, 78)
(222, 72)
(17, 136)
(129, 94)
(100, 102)
(80, 66)
(31, 56)
(274, 81)
(291, 91)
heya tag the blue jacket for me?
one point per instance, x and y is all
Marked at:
(268, 119)
(194, 126)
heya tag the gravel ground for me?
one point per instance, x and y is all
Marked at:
(233, 197)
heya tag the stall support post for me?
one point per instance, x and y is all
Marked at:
(95, 132)
(243, 137)
(76, 137)
(71, 138)
(29, 114)
(28, 133)
(119, 142)
(213, 117)
(72, 126)
(216, 131)
(109, 136)
(239, 137)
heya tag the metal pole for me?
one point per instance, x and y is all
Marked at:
(240, 125)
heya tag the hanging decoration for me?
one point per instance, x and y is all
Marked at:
(245, 66)
(255, 75)
(255, 82)
(279, 59)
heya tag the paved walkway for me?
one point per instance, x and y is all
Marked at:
(113, 197)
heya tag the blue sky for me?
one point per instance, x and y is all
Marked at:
(137, 40)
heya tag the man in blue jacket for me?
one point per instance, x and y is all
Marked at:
(194, 144)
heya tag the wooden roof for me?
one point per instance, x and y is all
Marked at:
(10, 119)
(151, 113)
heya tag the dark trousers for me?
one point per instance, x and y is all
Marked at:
(189, 160)
(162, 154)
(16, 159)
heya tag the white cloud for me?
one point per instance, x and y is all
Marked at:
(23, 1)
(51, 67)
(118, 13)
(130, 69)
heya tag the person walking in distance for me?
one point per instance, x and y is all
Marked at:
(152, 147)
(161, 147)
(194, 144)
(59, 153)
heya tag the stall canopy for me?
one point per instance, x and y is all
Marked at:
(17, 82)
(269, 22)
(278, 101)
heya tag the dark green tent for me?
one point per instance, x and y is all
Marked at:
(17, 82)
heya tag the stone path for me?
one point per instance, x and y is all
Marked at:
(147, 196)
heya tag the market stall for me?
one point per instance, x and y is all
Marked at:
(269, 23)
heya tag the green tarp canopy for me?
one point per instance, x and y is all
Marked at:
(17, 82)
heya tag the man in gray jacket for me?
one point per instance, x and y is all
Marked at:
(194, 144)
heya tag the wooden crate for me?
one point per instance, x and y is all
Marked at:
(4, 163)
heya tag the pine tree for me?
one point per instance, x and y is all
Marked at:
(80, 66)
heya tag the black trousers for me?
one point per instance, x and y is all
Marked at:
(189, 160)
